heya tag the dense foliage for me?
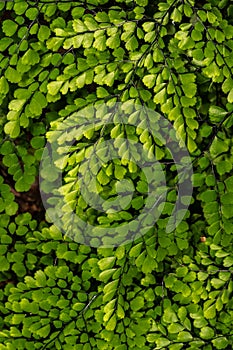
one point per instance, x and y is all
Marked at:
(163, 290)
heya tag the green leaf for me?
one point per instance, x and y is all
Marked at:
(220, 342)
(12, 208)
(229, 184)
(184, 336)
(40, 278)
(181, 271)
(160, 97)
(113, 41)
(186, 43)
(101, 92)
(230, 96)
(54, 43)
(157, 55)
(15, 333)
(111, 325)
(207, 333)
(162, 343)
(4, 264)
(145, 95)
(149, 80)
(190, 90)
(19, 269)
(175, 328)
(227, 211)
(106, 263)
(228, 261)
(43, 33)
(187, 78)
(176, 16)
(198, 179)
(44, 331)
(135, 250)
(100, 42)
(32, 13)
(227, 85)
(170, 316)
(78, 306)
(106, 275)
(137, 303)
(9, 27)
(212, 71)
(22, 184)
(81, 80)
(37, 142)
(132, 44)
(210, 312)
(164, 241)
(103, 178)
(12, 128)
(120, 312)
(149, 264)
(37, 103)
(109, 78)
(217, 114)
(218, 146)
(31, 57)
(12, 75)
(142, 2)
(54, 87)
(4, 86)
(227, 198)
(224, 167)
(16, 105)
(192, 146)
(208, 196)
(79, 26)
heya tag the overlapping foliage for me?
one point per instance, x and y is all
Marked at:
(162, 291)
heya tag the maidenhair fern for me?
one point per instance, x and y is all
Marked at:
(164, 289)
